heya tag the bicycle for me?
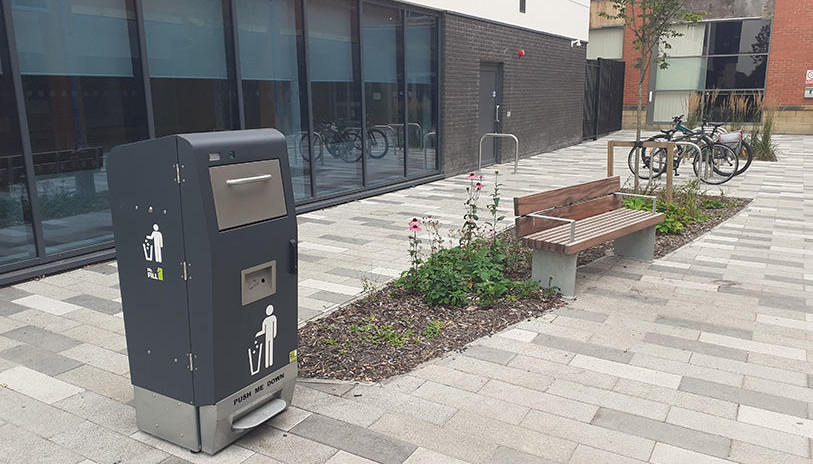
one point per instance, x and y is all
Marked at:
(344, 143)
(712, 162)
(735, 140)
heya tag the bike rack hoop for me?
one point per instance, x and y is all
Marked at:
(499, 135)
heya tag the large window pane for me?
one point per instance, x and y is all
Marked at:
(733, 37)
(690, 43)
(607, 43)
(682, 74)
(83, 93)
(16, 232)
(271, 48)
(335, 94)
(737, 72)
(383, 75)
(186, 47)
(670, 104)
(422, 93)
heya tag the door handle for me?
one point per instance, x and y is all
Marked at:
(497, 114)
(248, 180)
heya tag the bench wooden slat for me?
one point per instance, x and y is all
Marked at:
(562, 232)
(597, 227)
(596, 230)
(527, 225)
(566, 195)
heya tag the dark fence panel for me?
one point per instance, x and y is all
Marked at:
(603, 97)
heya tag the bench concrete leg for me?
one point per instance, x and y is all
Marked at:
(556, 270)
(639, 245)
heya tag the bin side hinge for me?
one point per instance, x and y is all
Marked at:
(185, 274)
(191, 362)
(177, 167)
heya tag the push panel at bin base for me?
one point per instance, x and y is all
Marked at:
(229, 337)
(146, 209)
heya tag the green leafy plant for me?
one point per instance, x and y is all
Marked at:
(433, 329)
(494, 208)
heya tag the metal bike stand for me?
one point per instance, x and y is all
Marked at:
(498, 135)
(423, 143)
(694, 146)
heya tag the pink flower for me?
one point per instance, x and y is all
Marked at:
(472, 176)
(414, 227)
(415, 224)
(477, 185)
(491, 232)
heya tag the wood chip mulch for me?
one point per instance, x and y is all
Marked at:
(390, 331)
(351, 343)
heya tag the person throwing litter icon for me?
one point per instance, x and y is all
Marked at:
(269, 329)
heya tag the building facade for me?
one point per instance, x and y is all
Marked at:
(760, 49)
(371, 95)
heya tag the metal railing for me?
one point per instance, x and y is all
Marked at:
(498, 135)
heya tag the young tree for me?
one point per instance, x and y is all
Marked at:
(652, 24)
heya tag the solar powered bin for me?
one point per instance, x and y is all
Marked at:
(206, 241)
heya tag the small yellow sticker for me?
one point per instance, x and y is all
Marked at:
(292, 356)
(160, 273)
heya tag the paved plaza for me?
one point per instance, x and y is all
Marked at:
(702, 357)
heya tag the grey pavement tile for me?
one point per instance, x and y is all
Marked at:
(487, 353)
(695, 345)
(305, 220)
(107, 445)
(355, 274)
(35, 416)
(662, 432)
(309, 258)
(343, 239)
(691, 272)
(648, 299)
(506, 455)
(103, 268)
(286, 447)
(8, 308)
(742, 396)
(706, 327)
(21, 446)
(101, 410)
(44, 361)
(788, 280)
(354, 439)
(330, 297)
(786, 302)
(174, 460)
(11, 293)
(589, 349)
(95, 303)
(41, 338)
(766, 260)
(100, 381)
(581, 314)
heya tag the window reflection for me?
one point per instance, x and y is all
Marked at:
(383, 76)
(335, 95)
(83, 92)
(186, 47)
(737, 72)
(271, 46)
(422, 93)
(16, 232)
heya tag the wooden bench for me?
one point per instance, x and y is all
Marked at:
(560, 223)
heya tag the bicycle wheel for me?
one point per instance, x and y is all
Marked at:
(351, 147)
(305, 150)
(647, 154)
(716, 164)
(377, 143)
(745, 157)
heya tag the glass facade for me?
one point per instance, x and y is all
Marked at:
(353, 86)
(722, 58)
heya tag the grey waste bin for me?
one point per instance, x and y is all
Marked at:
(205, 233)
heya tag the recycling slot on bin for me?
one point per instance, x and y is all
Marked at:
(206, 242)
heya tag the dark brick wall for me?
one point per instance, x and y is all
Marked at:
(543, 90)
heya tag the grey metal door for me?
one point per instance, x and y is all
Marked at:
(490, 99)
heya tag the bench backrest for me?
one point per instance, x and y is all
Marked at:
(574, 202)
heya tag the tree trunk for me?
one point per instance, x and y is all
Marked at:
(638, 132)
